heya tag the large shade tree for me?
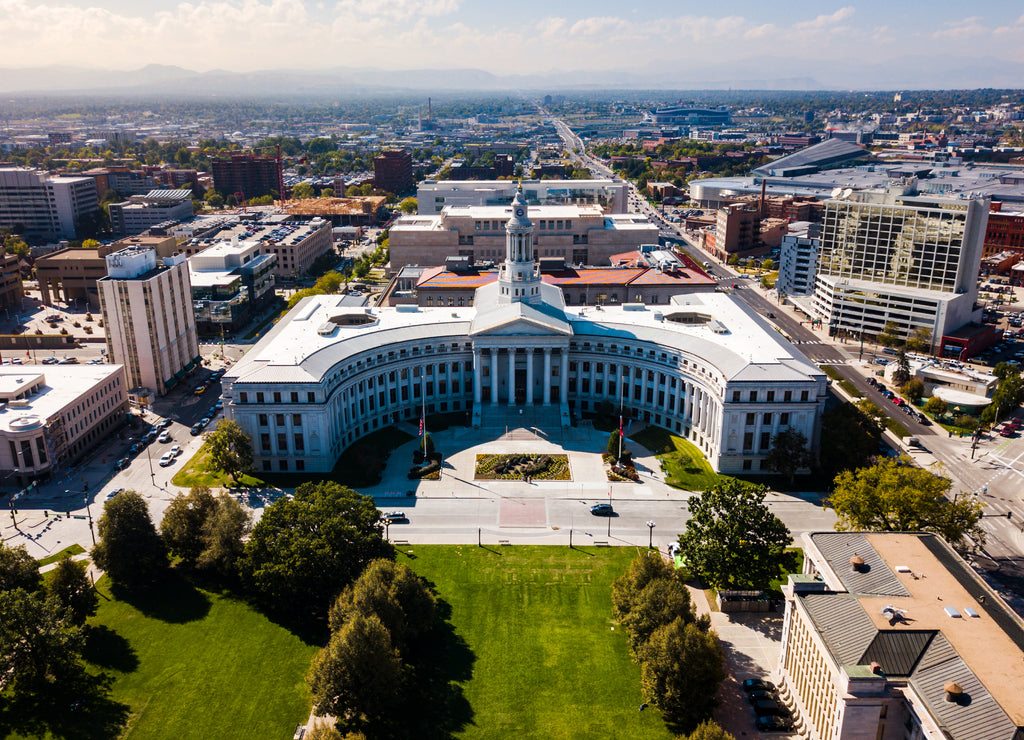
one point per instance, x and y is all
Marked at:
(129, 548)
(733, 540)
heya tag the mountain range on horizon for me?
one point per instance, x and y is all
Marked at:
(908, 73)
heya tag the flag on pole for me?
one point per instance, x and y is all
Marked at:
(620, 425)
(421, 426)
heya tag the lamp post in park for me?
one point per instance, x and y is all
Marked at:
(650, 538)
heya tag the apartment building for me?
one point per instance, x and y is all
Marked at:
(50, 415)
(230, 283)
(150, 322)
(42, 207)
(247, 174)
(11, 288)
(392, 171)
(798, 259)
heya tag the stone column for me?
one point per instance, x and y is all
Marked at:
(687, 398)
(511, 376)
(477, 391)
(529, 376)
(547, 376)
(564, 372)
(493, 352)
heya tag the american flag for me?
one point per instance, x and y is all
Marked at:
(421, 426)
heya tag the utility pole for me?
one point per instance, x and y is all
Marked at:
(650, 538)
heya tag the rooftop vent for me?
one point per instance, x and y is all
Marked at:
(952, 612)
(857, 564)
(954, 692)
(971, 612)
(876, 668)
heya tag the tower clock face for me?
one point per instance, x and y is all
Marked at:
(519, 211)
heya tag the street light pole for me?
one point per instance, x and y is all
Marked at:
(650, 538)
(88, 509)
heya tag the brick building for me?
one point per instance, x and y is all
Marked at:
(247, 174)
(392, 171)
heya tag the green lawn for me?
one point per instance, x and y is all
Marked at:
(685, 466)
(198, 471)
(545, 659)
(185, 664)
(72, 550)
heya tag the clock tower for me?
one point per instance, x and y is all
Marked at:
(519, 276)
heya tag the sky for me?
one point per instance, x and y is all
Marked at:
(529, 36)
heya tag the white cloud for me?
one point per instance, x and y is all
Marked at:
(826, 21)
(398, 10)
(961, 29)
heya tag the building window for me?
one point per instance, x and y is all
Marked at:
(243, 397)
(771, 396)
(748, 441)
(735, 396)
(753, 396)
(784, 419)
(300, 443)
(279, 419)
(300, 465)
(259, 397)
(282, 465)
(282, 442)
(277, 397)
(263, 420)
(748, 464)
(787, 396)
(297, 420)
(265, 442)
(804, 395)
(766, 419)
(751, 419)
(295, 397)
(766, 440)
(311, 397)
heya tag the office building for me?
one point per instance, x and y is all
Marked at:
(392, 171)
(297, 242)
(704, 366)
(53, 414)
(231, 282)
(576, 234)
(247, 174)
(433, 195)
(11, 289)
(908, 259)
(42, 207)
(140, 212)
(892, 636)
(148, 316)
(798, 259)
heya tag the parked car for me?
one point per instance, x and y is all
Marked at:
(164, 423)
(167, 459)
(393, 516)
(196, 429)
(176, 450)
(758, 684)
(602, 510)
(114, 493)
(766, 707)
(122, 463)
(760, 695)
(165, 436)
(772, 723)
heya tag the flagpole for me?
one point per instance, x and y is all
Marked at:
(620, 422)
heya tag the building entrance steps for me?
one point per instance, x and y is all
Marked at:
(522, 422)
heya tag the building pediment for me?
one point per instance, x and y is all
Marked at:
(518, 319)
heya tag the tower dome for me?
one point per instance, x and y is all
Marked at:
(519, 275)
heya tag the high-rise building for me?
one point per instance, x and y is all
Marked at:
(392, 171)
(11, 289)
(41, 207)
(150, 322)
(246, 174)
(908, 259)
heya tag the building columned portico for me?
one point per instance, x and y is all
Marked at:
(705, 366)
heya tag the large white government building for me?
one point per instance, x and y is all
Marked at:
(704, 366)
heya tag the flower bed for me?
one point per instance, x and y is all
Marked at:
(519, 466)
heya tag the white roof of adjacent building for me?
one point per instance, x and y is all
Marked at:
(62, 386)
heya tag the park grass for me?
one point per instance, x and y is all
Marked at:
(684, 465)
(199, 471)
(547, 659)
(191, 663)
(70, 550)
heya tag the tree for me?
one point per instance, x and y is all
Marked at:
(303, 190)
(305, 550)
(215, 200)
(408, 205)
(357, 677)
(920, 339)
(681, 669)
(330, 282)
(788, 453)
(129, 549)
(913, 390)
(936, 406)
(890, 336)
(894, 496)
(708, 730)
(182, 525)
(734, 259)
(902, 372)
(70, 586)
(327, 193)
(966, 422)
(230, 449)
(394, 593)
(732, 539)
(768, 264)
(613, 443)
(223, 532)
(660, 602)
(91, 244)
(18, 569)
(39, 644)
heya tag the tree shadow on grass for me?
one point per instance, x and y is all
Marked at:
(107, 649)
(173, 599)
(440, 662)
(78, 708)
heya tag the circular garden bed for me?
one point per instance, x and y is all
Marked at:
(521, 466)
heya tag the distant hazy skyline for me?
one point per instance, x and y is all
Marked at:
(501, 37)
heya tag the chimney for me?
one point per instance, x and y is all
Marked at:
(764, 187)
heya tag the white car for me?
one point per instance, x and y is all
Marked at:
(167, 459)
(165, 436)
(175, 451)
